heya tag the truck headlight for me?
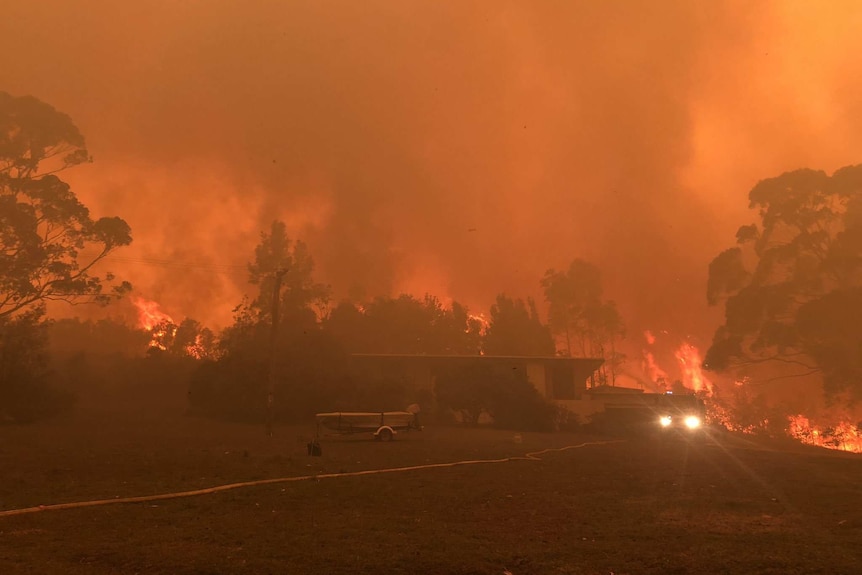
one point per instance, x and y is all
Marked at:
(692, 422)
(665, 420)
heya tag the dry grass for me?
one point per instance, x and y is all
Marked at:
(641, 506)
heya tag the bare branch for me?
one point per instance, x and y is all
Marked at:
(787, 376)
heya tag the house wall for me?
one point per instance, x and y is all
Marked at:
(537, 375)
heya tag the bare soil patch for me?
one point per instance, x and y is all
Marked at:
(643, 505)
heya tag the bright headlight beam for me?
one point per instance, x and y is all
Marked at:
(664, 420)
(692, 422)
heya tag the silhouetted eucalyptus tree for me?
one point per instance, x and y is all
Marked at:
(588, 325)
(515, 329)
(792, 288)
(302, 299)
(45, 231)
(407, 325)
(48, 246)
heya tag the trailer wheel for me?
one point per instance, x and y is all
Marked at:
(384, 435)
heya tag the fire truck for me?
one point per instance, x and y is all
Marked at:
(635, 409)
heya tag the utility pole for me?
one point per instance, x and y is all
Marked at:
(273, 337)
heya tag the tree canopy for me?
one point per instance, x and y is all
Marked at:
(406, 324)
(792, 287)
(580, 318)
(515, 329)
(302, 300)
(300, 294)
(48, 241)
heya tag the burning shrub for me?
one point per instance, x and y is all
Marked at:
(844, 436)
(740, 409)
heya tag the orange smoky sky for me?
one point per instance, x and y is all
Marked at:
(451, 147)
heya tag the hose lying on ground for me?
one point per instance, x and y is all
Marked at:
(532, 456)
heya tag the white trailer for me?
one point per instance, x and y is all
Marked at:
(383, 425)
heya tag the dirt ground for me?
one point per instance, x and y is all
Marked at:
(645, 504)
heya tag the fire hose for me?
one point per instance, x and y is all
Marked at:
(532, 456)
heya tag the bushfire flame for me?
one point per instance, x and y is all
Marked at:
(480, 318)
(154, 320)
(655, 373)
(844, 436)
(690, 363)
(149, 314)
(198, 349)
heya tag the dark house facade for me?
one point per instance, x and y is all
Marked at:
(561, 379)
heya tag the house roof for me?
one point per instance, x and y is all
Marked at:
(583, 367)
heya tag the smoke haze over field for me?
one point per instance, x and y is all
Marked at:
(456, 148)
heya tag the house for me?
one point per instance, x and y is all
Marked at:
(569, 382)
(560, 379)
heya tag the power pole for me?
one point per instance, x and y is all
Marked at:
(273, 337)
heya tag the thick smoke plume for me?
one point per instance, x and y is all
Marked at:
(456, 148)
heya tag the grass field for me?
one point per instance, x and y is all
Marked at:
(642, 505)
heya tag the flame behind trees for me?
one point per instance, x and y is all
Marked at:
(792, 289)
(187, 338)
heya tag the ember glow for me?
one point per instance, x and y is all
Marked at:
(481, 319)
(198, 349)
(844, 436)
(742, 411)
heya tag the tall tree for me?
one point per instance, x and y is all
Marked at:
(792, 287)
(266, 371)
(49, 244)
(605, 328)
(588, 325)
(302, 299)
(515, 329)
(570, 294)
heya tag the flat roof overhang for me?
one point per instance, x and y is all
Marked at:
(582, 367)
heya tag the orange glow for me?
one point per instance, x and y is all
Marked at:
(690, 363)
(483, 322)
(650, 338)
(651, 368)
(617, 132)
(154, 320)
(149, 314)
(727, 416)
(843, 436)
(197, 349)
